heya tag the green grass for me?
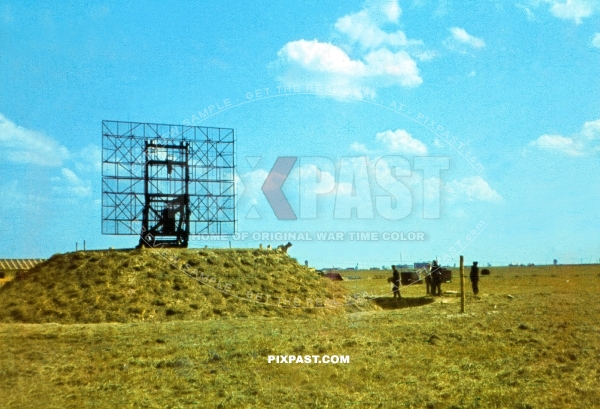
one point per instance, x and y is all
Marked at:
(539, 349)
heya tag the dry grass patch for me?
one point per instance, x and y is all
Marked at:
(539, 349)
(165, 285)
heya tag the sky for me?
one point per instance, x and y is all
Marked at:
(417, 129)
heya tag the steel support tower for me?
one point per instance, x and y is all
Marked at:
(167, 182)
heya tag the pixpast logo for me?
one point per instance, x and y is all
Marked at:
(351, 185)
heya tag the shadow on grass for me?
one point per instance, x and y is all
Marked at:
(389, 303)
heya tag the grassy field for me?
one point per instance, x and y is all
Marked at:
(538, 348)
(156, 285)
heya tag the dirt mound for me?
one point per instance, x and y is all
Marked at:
(169, 284)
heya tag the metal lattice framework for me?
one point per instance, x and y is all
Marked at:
(167, 182)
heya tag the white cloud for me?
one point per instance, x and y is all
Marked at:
(21, 145)
(323, 65)
(313, 62)
(391, 9)
(559, 143)
(530, 15)
(360, 148)
(426, 55)
(367, 58)
(581, 143)
(71, 185)
(596, 40)
(459, 40)
(326, 179)
(321, 57)
(363, 29)
(453, 192)
(89, 159)
(70, 176)
(393, 68)
(591, 130)
(575, 10)
(472, 188)
(400, 141)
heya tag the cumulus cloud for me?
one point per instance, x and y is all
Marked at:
(391, 142)
(575, 10)
(393, 68)
(363, 29)
(582, 143)
(389, 8)
(559, 143)
(400, 141)
(21, 145)
(359, 148)
(461, 41)
(591, 130)
(453, 192)
(69, 184)
(321, 57)
(323, 65)
(368, 56)
(473, 188)
(596, 40)
(314, 62)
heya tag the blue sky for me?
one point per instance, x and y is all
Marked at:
(364, 94)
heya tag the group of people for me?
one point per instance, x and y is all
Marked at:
(433, 279)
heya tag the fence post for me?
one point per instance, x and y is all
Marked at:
(462, 285)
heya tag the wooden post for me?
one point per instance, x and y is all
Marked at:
(462, 284)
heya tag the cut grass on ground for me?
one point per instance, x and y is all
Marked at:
(539, 349)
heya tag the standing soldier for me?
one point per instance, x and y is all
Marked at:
(395, 280)
(428, 279)
(436, 278)
(475, 277)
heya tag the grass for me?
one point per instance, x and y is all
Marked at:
(8, 276)
(538, 349)
(165, 285)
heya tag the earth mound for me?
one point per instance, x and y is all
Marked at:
(170, 284)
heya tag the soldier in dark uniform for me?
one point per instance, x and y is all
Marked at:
(475, 277)
(428, 279)
(395, 280)
(436, 278)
